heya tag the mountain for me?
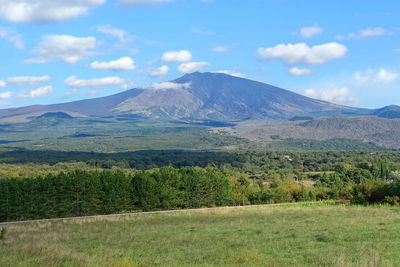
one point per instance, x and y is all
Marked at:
(196, 96)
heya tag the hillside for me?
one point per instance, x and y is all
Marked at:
(381, 131)
(194, 96)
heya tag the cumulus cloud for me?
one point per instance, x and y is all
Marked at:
(12, 37)
(192, 66)
(72, 81)
(24, 80)
(168, 85)
(299, 72)
(338, 96)
(375, 76)
(176, 56)
(140, 3)
(220, 49)
(159, 72)
(124, 63)
(301, 53)
(39, 92)
(6, 95)
(308, 32)
(42, 11)
(231, 72)
(69, 49)
(369, 32)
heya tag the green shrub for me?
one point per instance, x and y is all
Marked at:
(394, 200)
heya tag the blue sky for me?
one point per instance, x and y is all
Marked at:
(346, 52)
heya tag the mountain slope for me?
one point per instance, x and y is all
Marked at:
(381, 131)
(210, 96)
(223, 97)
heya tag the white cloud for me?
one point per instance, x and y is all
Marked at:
(386, 76)
(6, 95)
(92, 92)
(159, 72)
(338, 96)
(13, 38)
(39, 92)
(308, 32)
(124, 63)
(125, 38)
(220, 49)
(231, 72)
(41, 11)
(339, 37)
(301, 53)
(192, 66)
(68, 94)
(299, 72)
(24, 80)
(68, 48)
(168, 85)
(380, 76)
(176, 56)
(370, 32)
(122, 35)
(93, 83)
(128, 85)
(140, 3)
(202, 32)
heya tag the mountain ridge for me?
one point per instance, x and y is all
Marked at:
(199, 96)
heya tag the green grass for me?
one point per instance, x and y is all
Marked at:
(316, 235)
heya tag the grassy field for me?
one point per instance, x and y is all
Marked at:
(292, 235)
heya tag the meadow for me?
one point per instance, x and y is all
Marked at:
(323, 234)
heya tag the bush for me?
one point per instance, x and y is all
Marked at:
(394, 200)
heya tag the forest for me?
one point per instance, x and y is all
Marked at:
(57, 186)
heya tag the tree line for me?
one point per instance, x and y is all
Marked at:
(82, 193)
(99, 191)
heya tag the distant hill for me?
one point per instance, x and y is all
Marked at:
(56, 115)
(381, 131)
(196, 96)
(389, 112)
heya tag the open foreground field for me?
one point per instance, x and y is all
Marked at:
(288, 235)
